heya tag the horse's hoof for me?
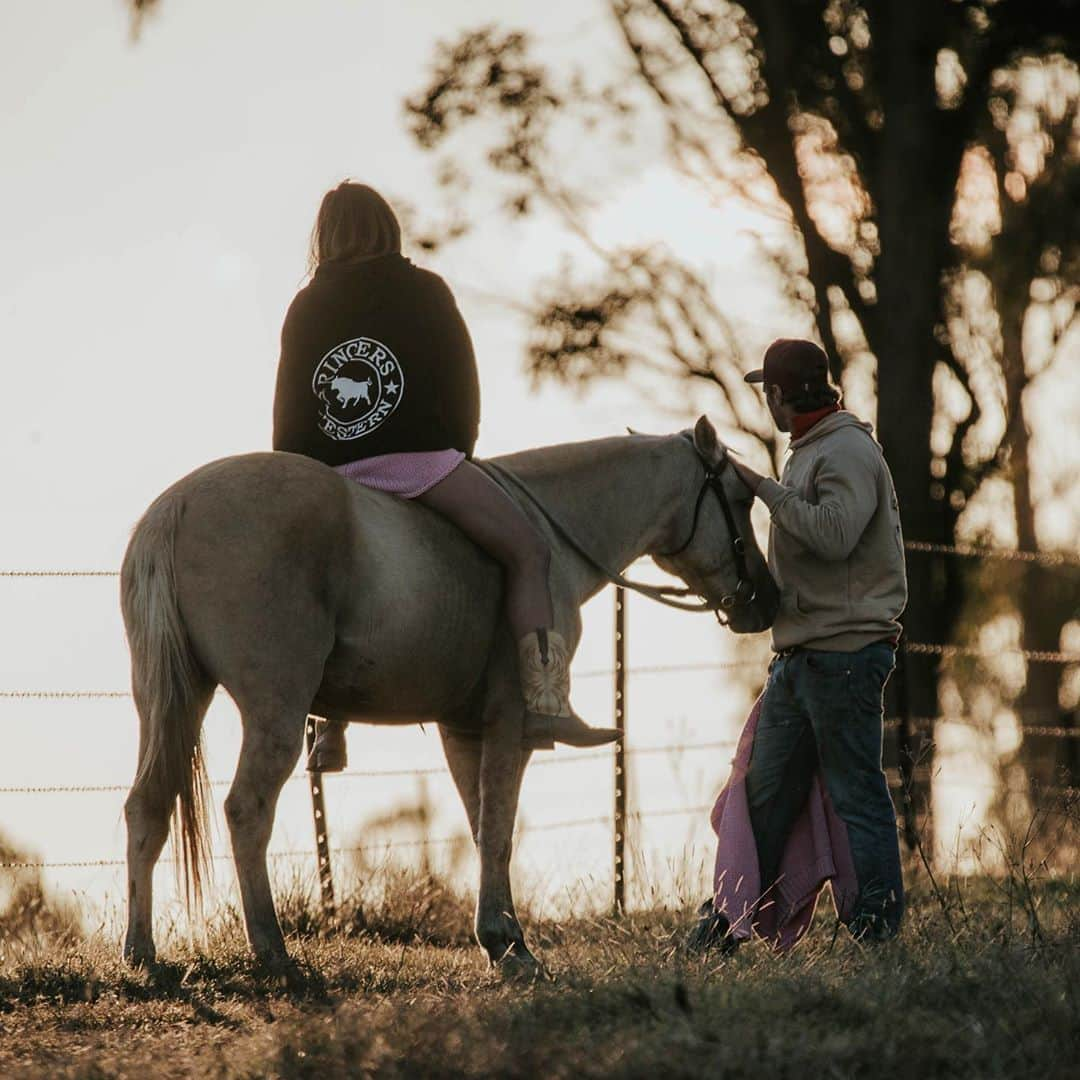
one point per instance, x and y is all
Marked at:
(517, 964)
(274, 965)
(285, 974)
(140, 957)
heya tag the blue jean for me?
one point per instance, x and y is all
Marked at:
(824, 710)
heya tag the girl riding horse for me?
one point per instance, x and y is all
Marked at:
(378, 379)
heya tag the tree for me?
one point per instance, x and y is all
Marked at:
(854, 119)
(140, 10)
(1032, 137)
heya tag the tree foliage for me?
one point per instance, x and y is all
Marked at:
(140, 11)
(869, 126)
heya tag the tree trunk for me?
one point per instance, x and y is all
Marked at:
(913, 218)
(1044, 601)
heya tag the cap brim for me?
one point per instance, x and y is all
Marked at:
(757, 376)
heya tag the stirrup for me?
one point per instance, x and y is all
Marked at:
(329, 752)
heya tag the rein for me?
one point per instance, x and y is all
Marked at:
(662, 594)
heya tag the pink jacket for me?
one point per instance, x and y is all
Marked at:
(817, 852)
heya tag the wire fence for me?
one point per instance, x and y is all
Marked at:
(605, 820)
(891, 723)
(967, 551)
(306, 853)
(618, 820)
(59, 573)
(593, 756)
(353, 774)
(973, 551)
(1035, 656)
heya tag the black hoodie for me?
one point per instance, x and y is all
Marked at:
(375, 359)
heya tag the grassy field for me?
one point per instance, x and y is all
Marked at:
(984, 982)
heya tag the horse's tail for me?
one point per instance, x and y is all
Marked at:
(171, 689)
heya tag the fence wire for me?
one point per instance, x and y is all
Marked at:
(1044, 558)
(59, 573)
(966, 551)
(1036, 656)
(925, 723)
(973, 551)
(306, 853)
(368, 774)
(592, 673)
(1069, 794)
(914, 648)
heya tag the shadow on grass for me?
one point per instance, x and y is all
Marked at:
(395, 989)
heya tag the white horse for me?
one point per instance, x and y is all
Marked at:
(301, 592)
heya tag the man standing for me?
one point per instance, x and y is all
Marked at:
(837, 554)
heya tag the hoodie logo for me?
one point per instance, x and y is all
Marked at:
(359, 383)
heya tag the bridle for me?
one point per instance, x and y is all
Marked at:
(745, 593)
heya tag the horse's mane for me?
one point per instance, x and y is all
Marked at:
(562, 460)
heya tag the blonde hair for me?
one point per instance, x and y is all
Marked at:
(354, 223)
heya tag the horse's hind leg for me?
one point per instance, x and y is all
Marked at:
(147, 810)
(273, 737)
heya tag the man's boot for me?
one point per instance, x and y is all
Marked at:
(711, 932)
(544, 664)
(329, 752)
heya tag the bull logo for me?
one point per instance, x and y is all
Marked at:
(359, 383)
(349, 391)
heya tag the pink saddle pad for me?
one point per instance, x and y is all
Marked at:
(405, 475)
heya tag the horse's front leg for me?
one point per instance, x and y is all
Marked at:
(502, 765)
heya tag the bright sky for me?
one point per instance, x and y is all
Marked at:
(157, 199)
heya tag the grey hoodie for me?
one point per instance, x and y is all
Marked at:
(835, 547)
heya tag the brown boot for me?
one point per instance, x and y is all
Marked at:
(544, 665)
(329, 752)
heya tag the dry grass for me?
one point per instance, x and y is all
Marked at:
(983, 983)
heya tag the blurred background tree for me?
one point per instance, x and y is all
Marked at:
(924, 156)
(140, 10)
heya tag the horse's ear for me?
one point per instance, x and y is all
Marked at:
(631, 431)
(711, 450)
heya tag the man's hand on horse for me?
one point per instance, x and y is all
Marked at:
(714, 450)
(750, 478)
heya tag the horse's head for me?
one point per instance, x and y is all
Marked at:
(712, 545)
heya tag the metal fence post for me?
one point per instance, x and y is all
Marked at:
(322, 833)
(621, 778)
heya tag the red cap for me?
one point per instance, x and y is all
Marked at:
(794, 365)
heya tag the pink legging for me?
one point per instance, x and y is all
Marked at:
(491, 519)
